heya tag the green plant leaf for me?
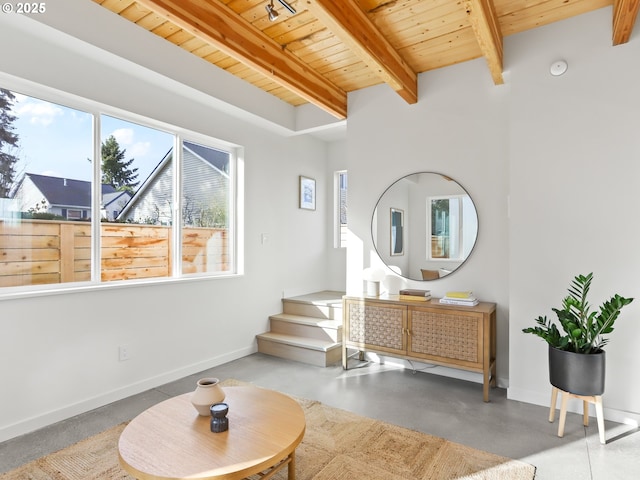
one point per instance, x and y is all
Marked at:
(583, 329)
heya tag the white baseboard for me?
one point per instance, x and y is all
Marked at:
(34, 423)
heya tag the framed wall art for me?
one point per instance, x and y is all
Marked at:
(307, 193)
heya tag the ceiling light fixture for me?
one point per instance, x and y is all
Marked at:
(271, 11)
(287, 6)
(273, 14)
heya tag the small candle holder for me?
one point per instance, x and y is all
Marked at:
(219, 420)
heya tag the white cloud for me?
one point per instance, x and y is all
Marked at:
(80, 116)
(124, 136)
(37, 112)
(139, 149)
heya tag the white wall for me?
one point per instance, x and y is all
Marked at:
(552, 164)
(458, 128)
(59, 353)
(336, 258)
(574, 178)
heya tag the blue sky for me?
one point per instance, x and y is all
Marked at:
(56, 140)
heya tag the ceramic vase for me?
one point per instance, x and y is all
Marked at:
(208, 391)
(219, 420)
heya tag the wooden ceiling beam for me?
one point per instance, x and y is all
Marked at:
(346, 20)
(216, 23)
(484, 22)
(625, 13)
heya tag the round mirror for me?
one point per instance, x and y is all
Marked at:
(424, 226)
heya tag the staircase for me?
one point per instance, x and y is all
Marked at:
(308, 330)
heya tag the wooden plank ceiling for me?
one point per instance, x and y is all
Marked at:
(331, 47)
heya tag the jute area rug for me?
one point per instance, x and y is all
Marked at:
(338, 445)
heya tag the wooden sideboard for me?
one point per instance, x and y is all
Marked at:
(449, 335)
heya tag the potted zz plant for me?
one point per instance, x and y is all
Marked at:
(576, 355)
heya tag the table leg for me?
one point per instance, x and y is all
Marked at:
(292, 466)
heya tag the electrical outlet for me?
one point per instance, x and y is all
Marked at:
(124, 353)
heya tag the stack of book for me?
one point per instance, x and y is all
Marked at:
(466, 299)
(414, 294)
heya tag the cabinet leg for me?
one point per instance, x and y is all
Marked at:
(485, 388)
(488, 379)
(493, 382)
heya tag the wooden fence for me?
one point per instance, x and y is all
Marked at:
(35, 252)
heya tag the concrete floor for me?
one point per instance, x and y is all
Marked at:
(437, 405)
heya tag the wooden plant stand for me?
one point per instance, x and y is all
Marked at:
(586, 400)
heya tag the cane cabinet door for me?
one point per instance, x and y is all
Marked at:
(378, 325)
(454, 337)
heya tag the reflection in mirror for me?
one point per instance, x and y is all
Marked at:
(449, 239)
(397, 223)
(438, 226)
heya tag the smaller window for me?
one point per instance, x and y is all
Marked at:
(340, 187)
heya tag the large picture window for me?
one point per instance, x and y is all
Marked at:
(133, 202)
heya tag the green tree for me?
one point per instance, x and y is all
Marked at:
(8, 140)
(115, 169)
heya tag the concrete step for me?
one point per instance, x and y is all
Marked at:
(301, 349)
(324, 304)
(304, 326)
(308, 330)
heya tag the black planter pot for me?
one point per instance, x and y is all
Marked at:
(578, 373)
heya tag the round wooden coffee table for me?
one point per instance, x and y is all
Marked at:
(170, 439)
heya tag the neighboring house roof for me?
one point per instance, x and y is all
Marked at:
(109, 199)
(219, 160)
(66, 191)
(216, 158)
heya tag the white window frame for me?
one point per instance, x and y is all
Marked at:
(456, 223)
(96, 109)
(338, 240)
